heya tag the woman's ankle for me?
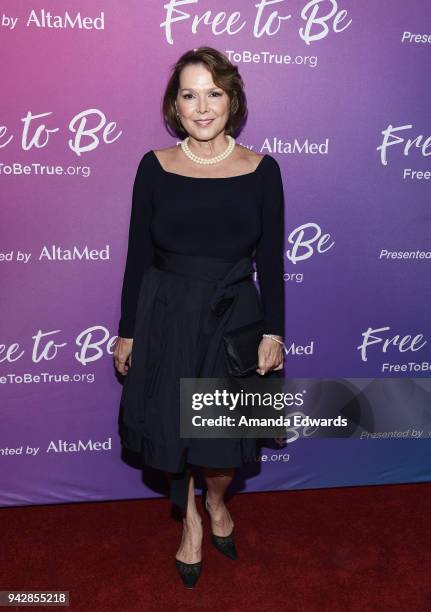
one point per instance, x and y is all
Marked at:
(215, 504)
(192, 521)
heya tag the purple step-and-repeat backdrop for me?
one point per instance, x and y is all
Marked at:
(338, 93)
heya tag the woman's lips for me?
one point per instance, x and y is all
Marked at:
(204, 123)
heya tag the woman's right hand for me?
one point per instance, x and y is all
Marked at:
(122, 353)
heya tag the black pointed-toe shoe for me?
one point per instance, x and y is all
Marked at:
(189, 572)
(225, 544)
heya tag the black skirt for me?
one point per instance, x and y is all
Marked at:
(185, 305)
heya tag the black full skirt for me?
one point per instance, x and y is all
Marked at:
(185, 304)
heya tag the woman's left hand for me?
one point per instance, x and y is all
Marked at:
(270, 355)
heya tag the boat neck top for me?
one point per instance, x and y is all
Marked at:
(224, 217)
(205, 178)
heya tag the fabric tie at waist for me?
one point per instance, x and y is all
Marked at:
(226, 277)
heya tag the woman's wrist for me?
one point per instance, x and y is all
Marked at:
(278, 339)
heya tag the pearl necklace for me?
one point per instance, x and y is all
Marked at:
(210, 160)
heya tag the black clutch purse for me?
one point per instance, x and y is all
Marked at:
(241, 346)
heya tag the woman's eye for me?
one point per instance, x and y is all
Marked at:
(217, 94)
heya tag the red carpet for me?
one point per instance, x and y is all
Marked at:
(356, 548)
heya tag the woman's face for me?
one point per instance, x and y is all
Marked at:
(199, 99)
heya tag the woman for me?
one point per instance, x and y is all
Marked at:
(200, 213)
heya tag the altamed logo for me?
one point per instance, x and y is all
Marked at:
(44, 19)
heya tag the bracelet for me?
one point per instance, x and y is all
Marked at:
(277, 340)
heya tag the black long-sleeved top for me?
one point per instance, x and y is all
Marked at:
(227, 217)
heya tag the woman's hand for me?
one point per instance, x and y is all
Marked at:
(122, 353)
(270, 355)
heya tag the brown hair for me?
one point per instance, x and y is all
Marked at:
(225, 75)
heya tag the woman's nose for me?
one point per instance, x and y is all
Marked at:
(202, 105)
